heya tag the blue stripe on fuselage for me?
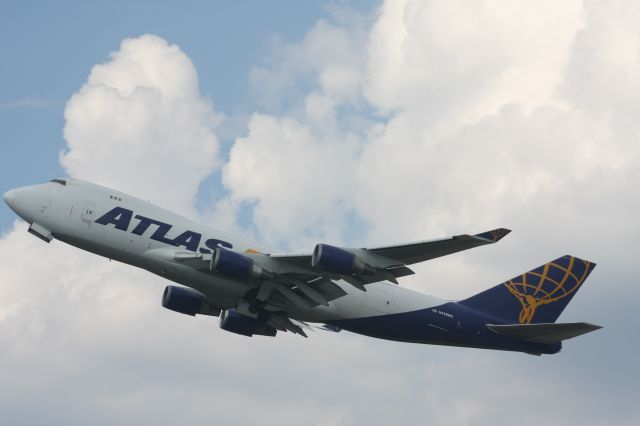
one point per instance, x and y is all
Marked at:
(448, 324)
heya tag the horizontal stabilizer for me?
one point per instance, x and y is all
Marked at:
(544, 332)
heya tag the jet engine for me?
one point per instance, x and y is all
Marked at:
(187, 301)
(227, 262)
(231, 320)
(339, 261)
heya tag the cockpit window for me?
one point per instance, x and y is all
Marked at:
(59, 181)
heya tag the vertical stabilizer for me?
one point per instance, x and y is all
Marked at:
(537, 296)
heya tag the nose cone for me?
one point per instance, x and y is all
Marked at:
(29, 202)
(9, 198)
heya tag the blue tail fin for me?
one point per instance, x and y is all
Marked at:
(537, 296)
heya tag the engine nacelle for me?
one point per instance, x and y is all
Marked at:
(339, 261)
(231, 320)
(187, 301)
(230, 263)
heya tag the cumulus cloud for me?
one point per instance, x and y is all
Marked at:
(285, 160)
(470, 117)
(443, 59)
(477, 122)
(421, 119)
(141, 114)
(329, 58)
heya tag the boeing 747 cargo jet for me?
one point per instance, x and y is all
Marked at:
(256, 292)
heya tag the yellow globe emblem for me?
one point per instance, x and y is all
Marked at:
(554, 282)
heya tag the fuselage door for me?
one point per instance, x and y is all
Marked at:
(87, 213)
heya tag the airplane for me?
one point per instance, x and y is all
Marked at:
(258, 292)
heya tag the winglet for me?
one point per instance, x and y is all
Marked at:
(494, 235)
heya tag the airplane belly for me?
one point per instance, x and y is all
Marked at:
(435, 321)
(417, 326)
(380, 300)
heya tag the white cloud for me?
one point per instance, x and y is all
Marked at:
(329, 57)
(281, 163)
(444, 59)
(141, 114)
(486, 119)
(477, 127)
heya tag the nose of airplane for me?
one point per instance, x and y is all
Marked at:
(9, 197)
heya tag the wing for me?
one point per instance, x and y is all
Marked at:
(410, 253)
(272, 279)
(269, 295)
(393, 259)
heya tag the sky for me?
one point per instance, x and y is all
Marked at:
(295, 123)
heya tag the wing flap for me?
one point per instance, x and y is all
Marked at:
(544, 332)
(284, 323)
(328, 288)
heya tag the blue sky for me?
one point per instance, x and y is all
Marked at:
(322, 122)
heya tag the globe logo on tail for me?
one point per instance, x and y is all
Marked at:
(547, 284)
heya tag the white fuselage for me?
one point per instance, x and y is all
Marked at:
(69, 212)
